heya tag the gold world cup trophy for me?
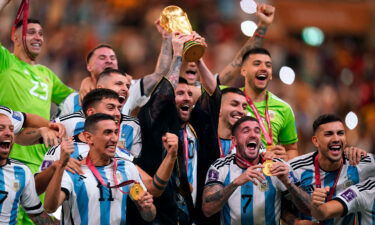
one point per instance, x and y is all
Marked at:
(174, 19)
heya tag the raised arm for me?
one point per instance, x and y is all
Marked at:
(164, 61)
(178, 41)
(156, 185)
(54, 196)
(321, 210)
(231, 73)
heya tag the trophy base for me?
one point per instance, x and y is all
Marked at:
(193, 51)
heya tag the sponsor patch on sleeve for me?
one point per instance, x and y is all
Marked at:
(349, 195)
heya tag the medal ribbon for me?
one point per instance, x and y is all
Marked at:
(243, 162)
(318, 183)
(222, 149)
(101, 180)
(267, 134)
(23, 14)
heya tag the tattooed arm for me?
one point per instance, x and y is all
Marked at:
(164, 61)
(43, 219)
(230, 74)
(31, 136)
(177, 43)
(215, 196)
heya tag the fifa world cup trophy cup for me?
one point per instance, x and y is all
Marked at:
(174, 19)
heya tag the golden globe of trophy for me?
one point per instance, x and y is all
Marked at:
(174, 19)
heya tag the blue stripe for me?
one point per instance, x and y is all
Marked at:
(353, 174)
(226, 210)
(19, 174)
(270, 203)
(77, 107)
(127, 134)
(306, 184)
(192, 148)
(75, 154)
(247, 194)
(225, 143)
(105, 206)
(79, 128)
(121, 168)
(373, 214)
(82, 198)
(2, 186)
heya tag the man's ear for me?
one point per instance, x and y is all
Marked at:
(90, 111)
(314, 140)
(88, 137)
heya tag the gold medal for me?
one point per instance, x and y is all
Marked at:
(135, 191)
(267, 167)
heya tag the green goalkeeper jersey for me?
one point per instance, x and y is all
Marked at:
(31, 89)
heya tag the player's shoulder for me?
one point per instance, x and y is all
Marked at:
(370, 158)
(16, 163)
(275, 100)
(225, 161)
(129, 119)
(303, 162)
(367, 185)
(76, 115)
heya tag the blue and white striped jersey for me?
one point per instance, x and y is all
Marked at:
(17, 118)
(70, 105)
(360, 198)
(304, 171)
(192, 159)
(89, 202)
(129, 134)
(17, 186)
(249, 204)
(226, 145)
(81, 150)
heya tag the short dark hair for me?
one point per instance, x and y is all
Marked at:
(232, 90)
(107, 72)
(89, 55)
(325, 118)
(95, 96)
(91, 121)
(19, 24)
(182, 80)
(240, 121)
(254, 51)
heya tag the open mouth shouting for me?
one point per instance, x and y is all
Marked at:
(5, 145)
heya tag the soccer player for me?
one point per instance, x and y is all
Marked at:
(105, 101)
(99, 59)
(359, 198)
(327, 166)
(98, 196)
(233, 107)
(17, 185)
(28, 86)
(236, 186)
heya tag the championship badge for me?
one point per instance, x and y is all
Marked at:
(16, 186)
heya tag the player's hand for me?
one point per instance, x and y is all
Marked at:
(198, 38)
(268, 155)
(265, 14)
(354, 155)
(59, 127)
(49, 136)
(279, 152)
(280, 170)
(319, 196)
(178, 41)
(164, 33)
(86, 86)
(170, 143)
(74, 166)
(145, 201)
(251, 174)
(67, 148)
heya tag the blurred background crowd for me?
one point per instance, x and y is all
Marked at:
(335, 76)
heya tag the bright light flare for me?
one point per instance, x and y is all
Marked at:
(287, 75)
(248, 6)
(248, 28)
(351, 120)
